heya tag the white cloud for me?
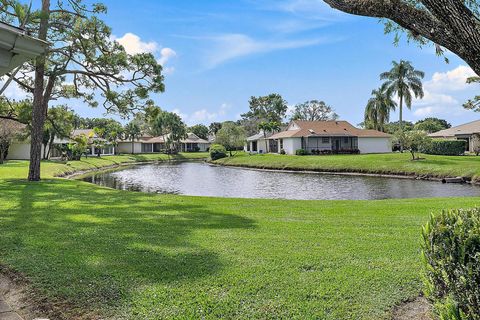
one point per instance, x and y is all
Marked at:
(231, 46)
(444, 93)
(204, 115)
(453, 80)
(133, 44)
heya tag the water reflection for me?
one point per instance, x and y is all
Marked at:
(200, 179)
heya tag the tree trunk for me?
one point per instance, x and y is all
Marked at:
(1, 156)
(133, 146)
(40, 106)
(400, 123)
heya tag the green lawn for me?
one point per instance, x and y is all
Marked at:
(391, 163)
(144, 256)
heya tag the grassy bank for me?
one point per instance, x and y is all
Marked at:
(393, 163)
(19, 169)
(97, 251)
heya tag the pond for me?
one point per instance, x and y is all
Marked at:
(202, 179)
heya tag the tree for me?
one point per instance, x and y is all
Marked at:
(170, 126)
(231, 136)
(475, 141)
(431, 125)
(59, 124)
(200, 130)
(82, 62)
(214, 127)
(393, 127)
(377, 111)
(267, 127)
(403, 80)
(448, 24)
(271, 108)
(112, 131)
(414, 141)
(314, 110)
(9, 130)
(132, 132)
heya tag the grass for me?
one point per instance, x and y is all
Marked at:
(391, 163)
(19, 168)
(144, 256)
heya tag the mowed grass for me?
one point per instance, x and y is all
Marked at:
(19, 168)
(391, 163)
(101, 252)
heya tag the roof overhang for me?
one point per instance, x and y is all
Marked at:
(16, 47)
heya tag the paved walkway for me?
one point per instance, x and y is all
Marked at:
(6, 312)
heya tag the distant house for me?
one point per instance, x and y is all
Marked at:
(319, 136)
(256, 143)
(148, 144)
(461, 132)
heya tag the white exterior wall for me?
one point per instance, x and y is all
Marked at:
(126, 147)
(20, 151)
(374, 145)
(290, 145)
(260, 146)
(203, 146)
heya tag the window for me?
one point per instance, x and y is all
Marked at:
(147, 147)
(325, 140)
(345, 140)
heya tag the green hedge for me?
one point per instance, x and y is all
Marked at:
(451, 252)
(217, 151)
(301, 152)
(446, 147)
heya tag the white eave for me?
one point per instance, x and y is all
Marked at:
(16, 47)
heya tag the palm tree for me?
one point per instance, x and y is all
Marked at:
(133, 131)
(265, 127)
(377, 111)
(403, 80)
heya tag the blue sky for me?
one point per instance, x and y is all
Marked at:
(217, 54)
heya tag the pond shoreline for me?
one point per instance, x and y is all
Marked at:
(349, 172)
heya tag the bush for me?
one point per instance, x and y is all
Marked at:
(282, 151)
(446, 147)
(301, 152)
(217, 151)
(451, 252)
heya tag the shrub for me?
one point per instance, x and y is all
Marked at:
(301, 152)
(451, 252)
(446, 147)
(475, 140)
(217, 151)
(282, 151)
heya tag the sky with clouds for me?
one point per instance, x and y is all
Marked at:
(216, 54)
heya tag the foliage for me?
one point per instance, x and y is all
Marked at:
(377, 111)
(431, 125)
(451, 256)
(59, 124)
(200, 130)
(171, 127)
(78, 146)
(301, 152)
(394, 127)
(232, 136)
(267, 108)
(313, 110)
(217, 151)
(9, 131)
(414, 141)
(475, 141)
(112, 131)
(214, 127)
(267, 127)
(445, 147)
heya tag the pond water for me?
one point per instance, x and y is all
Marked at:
(201, 179)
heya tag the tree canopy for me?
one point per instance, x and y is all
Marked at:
(314, 110)
(431, 125)
(200, 130)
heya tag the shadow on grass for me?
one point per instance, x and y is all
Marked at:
(95, 246)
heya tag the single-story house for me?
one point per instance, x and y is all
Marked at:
(461, 132)
(20, 149)
(148, 144)
(258, 144)
(334, 136)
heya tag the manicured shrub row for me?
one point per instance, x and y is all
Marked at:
(303, 152)
(451, 252)
(446, 147)
(217, 151)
